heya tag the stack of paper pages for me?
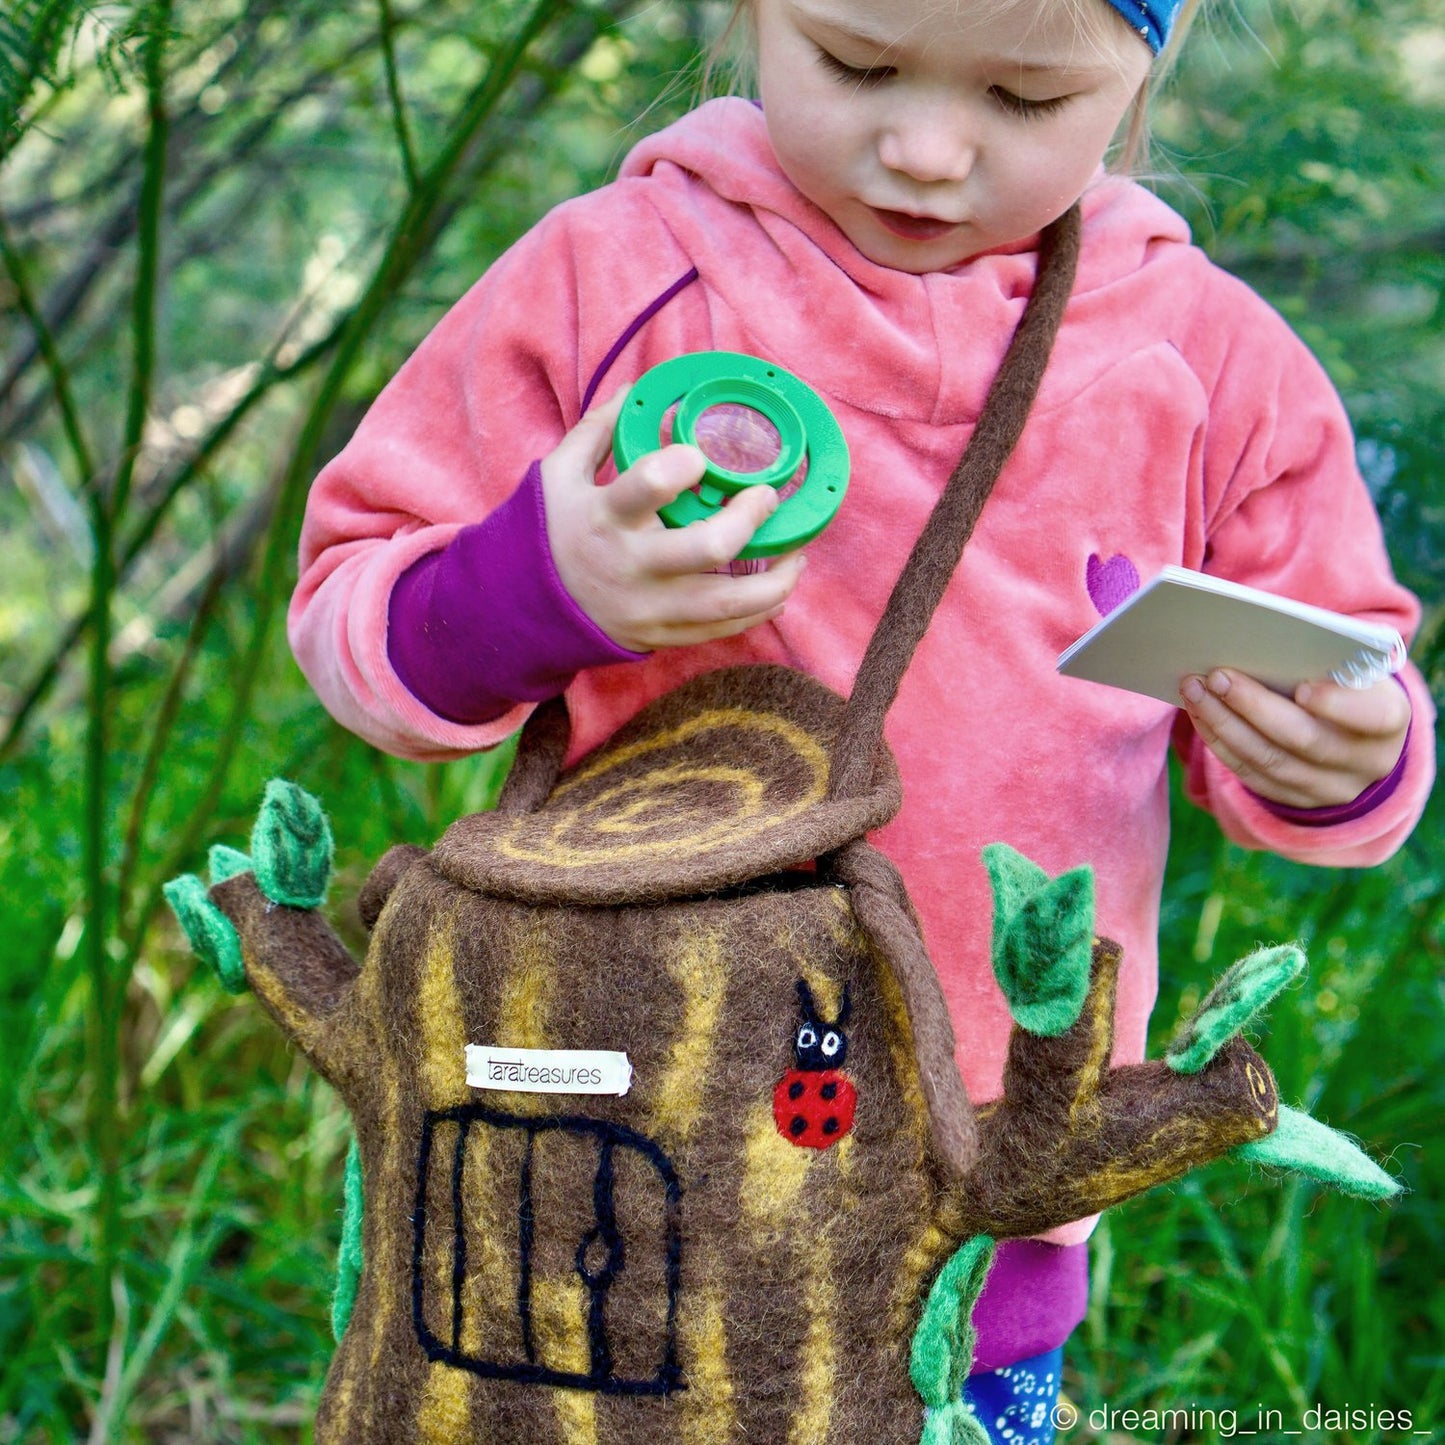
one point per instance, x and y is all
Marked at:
(1187, 622)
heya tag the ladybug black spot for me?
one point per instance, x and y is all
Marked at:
(795, 1089)
(829, 1090)
(830, 1125)
(798, 1125)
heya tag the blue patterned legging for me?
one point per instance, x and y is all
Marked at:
(1014, 1404)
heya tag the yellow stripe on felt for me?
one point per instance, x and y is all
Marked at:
(700, 969)
(439, 1011)
(1162, 1154)
(802, 742)
(490, 1288)
(773, 1173)
(597, 818)
(932, 1243)
(817, 1379)
(1101, 1013)
(294, 1019)
(525, 1006)
(445, 1416)
(708, 1413)
(559, 1327)
(827, 992)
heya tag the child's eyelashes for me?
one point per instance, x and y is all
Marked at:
(853, 74)
(869, 75)
(1022, 106)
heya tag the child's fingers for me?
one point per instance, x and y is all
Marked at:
(717, 605)
(1380, 711)
(714, 542)
(1280, 749)
(651, 482)
(1252, 719)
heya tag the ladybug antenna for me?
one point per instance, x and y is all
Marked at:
(805, 997)
(846, 1008)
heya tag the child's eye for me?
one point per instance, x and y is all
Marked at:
(854, 75)
(1020, 105)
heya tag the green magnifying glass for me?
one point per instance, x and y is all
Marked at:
(810, 465)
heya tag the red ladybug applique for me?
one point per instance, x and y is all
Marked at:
(813, 1103)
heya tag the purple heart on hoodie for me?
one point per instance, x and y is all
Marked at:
(1111, 582)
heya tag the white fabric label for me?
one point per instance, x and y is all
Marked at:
(548, 1071)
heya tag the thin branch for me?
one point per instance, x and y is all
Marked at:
(54, 362)
(112, 234)
(393, 89)
(232, 554)
(106, 985)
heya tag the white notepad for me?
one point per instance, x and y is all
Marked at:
(1187, 622)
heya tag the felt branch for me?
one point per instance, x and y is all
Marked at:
(257, 925)
(1070, 1136)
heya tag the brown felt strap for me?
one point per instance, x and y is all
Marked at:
(931, 564)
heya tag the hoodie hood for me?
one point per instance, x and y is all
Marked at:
(881, 339)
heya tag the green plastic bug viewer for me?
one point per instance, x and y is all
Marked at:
(808, 436)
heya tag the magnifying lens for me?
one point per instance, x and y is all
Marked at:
(757, 425)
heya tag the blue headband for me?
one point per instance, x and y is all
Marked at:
(1153, 19)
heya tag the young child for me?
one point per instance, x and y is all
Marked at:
(872, 225)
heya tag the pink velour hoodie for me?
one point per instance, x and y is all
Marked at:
(1180, 421)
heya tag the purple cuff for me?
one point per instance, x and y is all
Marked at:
(486, 623)
(1371, 798)
(1035, 1296)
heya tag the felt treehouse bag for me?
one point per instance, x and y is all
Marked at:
(777, 1233)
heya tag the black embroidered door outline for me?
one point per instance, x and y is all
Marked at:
(601, 1252)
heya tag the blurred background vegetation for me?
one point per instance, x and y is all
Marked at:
(223, 224)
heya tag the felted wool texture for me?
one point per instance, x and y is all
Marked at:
(291, 846)
(1070, 1136)
(207, 930)
(1042, 931)
(1314, 1149)
(787, 1309)
(760, 1290)
(1243, 991)
(223, 862)
(720, 781)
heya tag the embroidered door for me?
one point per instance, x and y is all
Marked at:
(547, 1251)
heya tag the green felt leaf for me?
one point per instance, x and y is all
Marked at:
(291, 847)
(224, 863)
(1319, 1152)
(1241, 993)
(349, 1257)
(1043, 939)
(209, 932)
(942, 1352)
(954, 1424)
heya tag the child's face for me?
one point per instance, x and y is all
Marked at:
(928, 135)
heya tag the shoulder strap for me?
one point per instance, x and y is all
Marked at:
(931, 564)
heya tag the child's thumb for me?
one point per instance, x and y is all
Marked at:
(588, 445)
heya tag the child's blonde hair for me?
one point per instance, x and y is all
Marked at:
(728, 68)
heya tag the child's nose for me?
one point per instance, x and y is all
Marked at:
(928, 143)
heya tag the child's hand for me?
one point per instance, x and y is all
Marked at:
(645, 584)
(1322, 747)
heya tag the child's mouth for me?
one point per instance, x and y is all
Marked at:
(914, 228)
